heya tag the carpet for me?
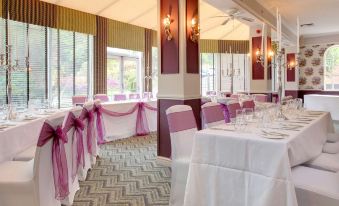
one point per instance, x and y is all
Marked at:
(126, 174)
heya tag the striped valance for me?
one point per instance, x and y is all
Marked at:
(126, 36)
(73, 20)
(224, 46)
(31, 11)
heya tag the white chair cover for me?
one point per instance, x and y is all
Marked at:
(69, 147)
(212, 114)
(331, 147)
(332, 137)
(325, 161)
(30, 183)
(316, 187)
(182, 126)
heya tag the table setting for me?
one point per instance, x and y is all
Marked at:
(249, 160)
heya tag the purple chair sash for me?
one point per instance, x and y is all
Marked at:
(248, 104)
(232, 108)
(99, 123)
(180, 121)
(212, 114)
(226, 113)
(119, 97)
(101, 97)
(59, 160)
(141, 123)
(89, 115)
(78, 153)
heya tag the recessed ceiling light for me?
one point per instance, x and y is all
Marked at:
(307, 25)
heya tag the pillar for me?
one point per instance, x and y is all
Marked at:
(179, 79)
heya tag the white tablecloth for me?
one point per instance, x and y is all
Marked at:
(329, 103)
(122, 127)
(23, 135)
(245, 169)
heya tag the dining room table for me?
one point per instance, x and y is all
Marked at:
(251, 166)
(21, 133)
(327, 103)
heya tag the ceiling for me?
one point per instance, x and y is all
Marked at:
(323, 13)
(144, 13)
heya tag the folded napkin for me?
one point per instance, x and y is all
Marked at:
(332, 137)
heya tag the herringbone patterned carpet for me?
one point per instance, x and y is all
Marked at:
(126, 174)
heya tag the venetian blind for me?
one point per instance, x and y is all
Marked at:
(37, 62)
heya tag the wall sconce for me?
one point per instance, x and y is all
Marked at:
(195, 33)
(270, 54)
(167, 26)
(291, 65)
(259, 57)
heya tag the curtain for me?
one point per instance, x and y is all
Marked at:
(32, 12)
(100, 56)
(126, 36)
(73, 20)
(224, 46)
(154, 38)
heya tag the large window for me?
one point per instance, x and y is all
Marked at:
(217, 69)
(155, 70)
(123, 71)
(60, 63)
(331, 57)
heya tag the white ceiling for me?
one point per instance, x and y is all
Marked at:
(323, 13)
(144, 13)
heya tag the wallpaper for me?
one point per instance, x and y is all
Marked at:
(311, 66)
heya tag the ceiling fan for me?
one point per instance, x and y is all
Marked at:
(232, 14)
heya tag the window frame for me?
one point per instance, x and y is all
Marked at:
(330, 77)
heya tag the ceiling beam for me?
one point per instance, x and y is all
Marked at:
(142, 14)
(107, 7)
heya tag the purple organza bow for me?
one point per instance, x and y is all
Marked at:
(78, 153)
(90, 129)
(99, 123)
(141, 123)
(59, 161)
(226, 113)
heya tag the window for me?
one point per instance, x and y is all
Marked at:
(60, 63)
(216, 72)
(208, 75)
(123, 71)
(331, 77)
(155, 70)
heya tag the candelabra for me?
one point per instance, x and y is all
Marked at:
(232, 72)
(8, 67)
(148, 78)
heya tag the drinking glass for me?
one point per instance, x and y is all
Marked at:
(248, 114)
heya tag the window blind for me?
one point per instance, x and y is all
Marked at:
(2, 51)
(53, 66)
(17, 38)
(37, 62)
(66, 63)
(81, 63)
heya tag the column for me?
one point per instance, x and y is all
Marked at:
(179, 78)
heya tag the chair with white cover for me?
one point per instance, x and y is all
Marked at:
(32, 183)
(329, 158)
(212, 114)
(79, 100)
(260, 97)
(101, 97)
(182, 127)
(248, 104)
(232, 107)
(315, 187)
(119, 97)
(235, 96)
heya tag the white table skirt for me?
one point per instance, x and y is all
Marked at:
(329, 103)
(16, 139)
(124, 126)
(245, 169)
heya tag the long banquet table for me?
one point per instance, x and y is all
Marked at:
(125, 126)
(329, 103)
(24, 134)
(232, 168)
